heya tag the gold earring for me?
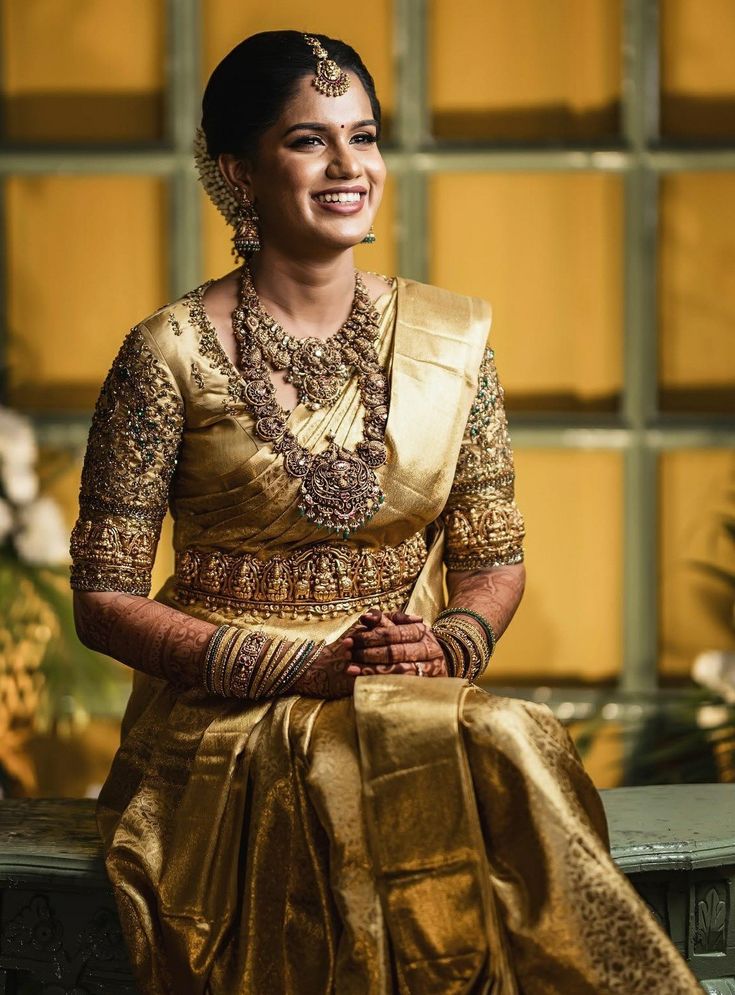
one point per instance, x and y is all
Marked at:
(246, 239)
(370, 237)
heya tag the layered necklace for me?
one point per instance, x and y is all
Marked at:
(339, 488)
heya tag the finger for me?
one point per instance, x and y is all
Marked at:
(401, 618)
(374, 670)
(411, 632)
(393, 653)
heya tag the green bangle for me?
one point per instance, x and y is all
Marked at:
(487, 628)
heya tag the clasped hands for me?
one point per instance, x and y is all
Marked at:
(378, 643)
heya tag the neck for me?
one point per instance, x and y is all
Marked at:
(305, 292)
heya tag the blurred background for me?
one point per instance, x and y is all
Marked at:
(571, 161)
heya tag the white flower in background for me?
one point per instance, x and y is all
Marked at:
(6, 520)
(19, 483)
(42, 538)
(18, 454)
(17, 441)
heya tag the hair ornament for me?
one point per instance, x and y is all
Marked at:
(329, 79)
(214, 183)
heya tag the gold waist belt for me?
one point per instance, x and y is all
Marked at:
(320, 579)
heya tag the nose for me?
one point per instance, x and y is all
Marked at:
(344, 164)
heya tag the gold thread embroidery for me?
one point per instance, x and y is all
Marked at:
(319, 579)
(484, 526)
(130, 459)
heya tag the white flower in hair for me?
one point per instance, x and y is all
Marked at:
(213, 181)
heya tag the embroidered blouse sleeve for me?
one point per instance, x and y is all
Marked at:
(130, 459)
(484, 526)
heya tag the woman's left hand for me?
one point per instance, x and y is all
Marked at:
(396, 643)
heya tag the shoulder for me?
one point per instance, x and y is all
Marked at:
(169, 322)
(438, 306)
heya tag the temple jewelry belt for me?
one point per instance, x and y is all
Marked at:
(316, 580)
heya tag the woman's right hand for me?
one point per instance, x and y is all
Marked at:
(356, 653)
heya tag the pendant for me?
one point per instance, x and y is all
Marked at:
(340, 491)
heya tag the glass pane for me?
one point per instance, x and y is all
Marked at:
(697, 500)
(546, 251)
(226, 24)
(379, 257)
(568, 627)
(525, 70)
(697, 68)
(75, 72)
(697, 292)
(71, 299)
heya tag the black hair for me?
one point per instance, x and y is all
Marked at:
(249, 88)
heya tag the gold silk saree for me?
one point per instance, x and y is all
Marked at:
(421, 837)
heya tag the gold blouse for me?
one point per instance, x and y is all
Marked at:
(171, 428)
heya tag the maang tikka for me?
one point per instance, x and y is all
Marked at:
(246, 239)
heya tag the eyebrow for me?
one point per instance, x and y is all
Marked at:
(316, 126)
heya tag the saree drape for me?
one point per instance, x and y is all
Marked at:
(421, 837)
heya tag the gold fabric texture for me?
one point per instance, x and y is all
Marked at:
(421, 837)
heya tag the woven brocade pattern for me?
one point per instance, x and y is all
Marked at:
(130, 459)
(484, 526)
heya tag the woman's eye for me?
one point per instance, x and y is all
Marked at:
(365, 138)
(307, 140)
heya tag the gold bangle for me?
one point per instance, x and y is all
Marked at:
(245, 662)
(209, 656)
(456, 647)
(480, 657)
(272, 657)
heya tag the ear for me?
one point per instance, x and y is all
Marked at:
(237, 173)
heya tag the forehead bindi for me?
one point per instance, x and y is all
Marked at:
(307, 104)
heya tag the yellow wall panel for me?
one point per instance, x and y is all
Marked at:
(697, 528)
(86, 261)
(75, 70)
(545, 250)
(697, 68)
(569, 623)
(379, 257)
(526, 69)
(226, 24)
(697, 292)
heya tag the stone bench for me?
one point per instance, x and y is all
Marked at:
(59, 927)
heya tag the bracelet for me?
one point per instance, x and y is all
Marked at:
(479, 655)
(471, 648)
(492, 639)
(454, 651)
(242, 663)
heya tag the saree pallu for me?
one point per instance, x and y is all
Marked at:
(421, 837)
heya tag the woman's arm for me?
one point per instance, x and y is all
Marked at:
(145, 635)
(494, 593)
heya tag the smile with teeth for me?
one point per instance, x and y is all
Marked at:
(338, 198)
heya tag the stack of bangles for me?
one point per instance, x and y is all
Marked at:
(467, 647)
(246, 663)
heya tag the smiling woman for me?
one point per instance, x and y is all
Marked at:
(290, 810)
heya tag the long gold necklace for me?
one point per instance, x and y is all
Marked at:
(339, 488)
(318, 368)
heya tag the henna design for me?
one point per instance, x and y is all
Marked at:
(144, 635)
(495, 593)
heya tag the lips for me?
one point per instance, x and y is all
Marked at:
(341, 200)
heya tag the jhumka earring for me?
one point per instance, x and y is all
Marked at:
(246, 239)
(370, 237)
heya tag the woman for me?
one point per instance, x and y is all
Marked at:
(291, 810)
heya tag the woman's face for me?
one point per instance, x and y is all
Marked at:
(318, 178)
